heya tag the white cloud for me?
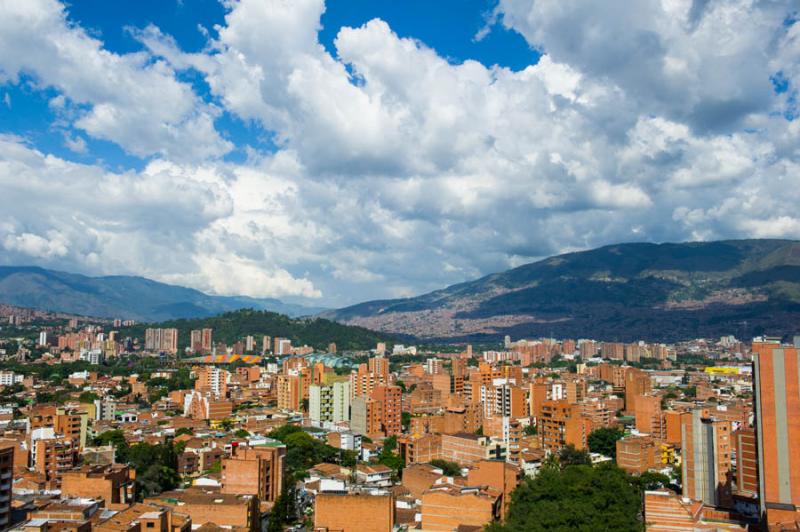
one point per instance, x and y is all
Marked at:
(398, 171)
(75, 143)
(166, 222)
(128, 99)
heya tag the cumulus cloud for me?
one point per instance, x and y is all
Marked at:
(397, 171)
(163, 222)
(127, 99)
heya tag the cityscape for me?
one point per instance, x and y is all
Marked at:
(103, 429)
(399, 266)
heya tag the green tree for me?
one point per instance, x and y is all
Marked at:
(405, 420)
(156, 467)
(530, 430)
(88, 397)
(283, 431)
(604, 441)
(451, 469)
(116, 438)
(578, 498)
(303, 450)
(388, 457)
(184, 430)
(570, 456)
(242, 433)
(284, 511)
(650, 480)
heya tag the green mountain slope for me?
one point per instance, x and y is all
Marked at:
(233, 326)
(121, 296)
(624, 291)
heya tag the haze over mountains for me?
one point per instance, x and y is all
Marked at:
(123, 297)
(622, 292)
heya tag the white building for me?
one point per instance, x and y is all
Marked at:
(92, 356)
(329, 403)
(9, 378)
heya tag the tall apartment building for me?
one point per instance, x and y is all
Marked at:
(290, 392)
(73, 423)
(612, 350)
(106, 408)
(434, 366)
(509, 401)
(706, 458)
(458, 375)
(542, 390)
(255, 471)
(201, 340)
(777, 391)
(649, 416)
(746, 462)
(563, 424)
(6, 478)
(379, 366)
(211, 379)
(363, 380)
(365, 416)
(576, 390)
(637, 384)
(283, 346)
(391, 399)
(329, 403)
(52, 453)
(266, 344)
(165, 340)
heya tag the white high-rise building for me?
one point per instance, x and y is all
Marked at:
(329, 403)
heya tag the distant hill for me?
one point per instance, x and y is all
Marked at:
(621, 292)
(233, 326)
(122, 296)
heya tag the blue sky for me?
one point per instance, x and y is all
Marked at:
(448, 26)
(349, 150)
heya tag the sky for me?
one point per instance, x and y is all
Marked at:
(336, 152)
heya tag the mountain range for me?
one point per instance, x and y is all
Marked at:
(624, 292)
(125, 297)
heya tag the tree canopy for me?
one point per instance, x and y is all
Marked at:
(233, 326)
(451, 469)
(577, 498)
(604, 441)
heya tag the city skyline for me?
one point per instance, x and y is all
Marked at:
(332, 153)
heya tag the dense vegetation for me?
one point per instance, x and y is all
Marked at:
(604, 441)
(451, 469)
(156, 465)
(303, 451)
(575, 498)
(234, 326)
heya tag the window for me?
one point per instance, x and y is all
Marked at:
(151, 524)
